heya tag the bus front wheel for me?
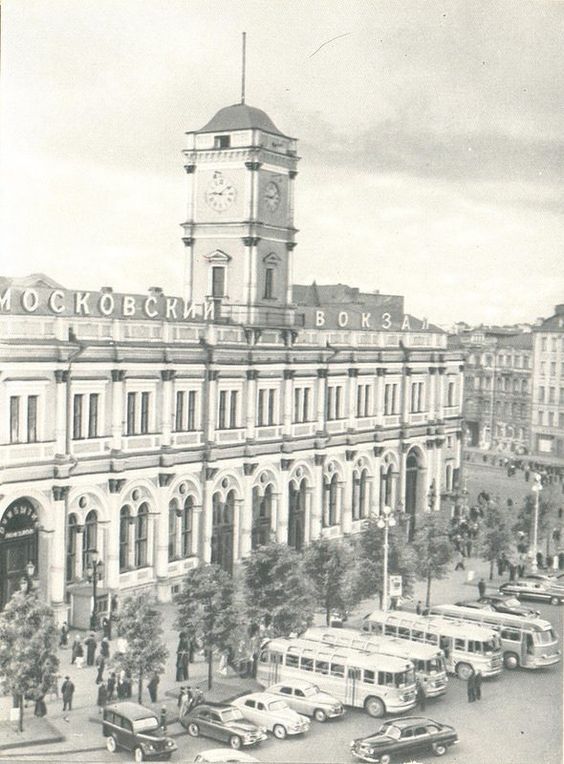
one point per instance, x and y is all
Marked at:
(510, 661)
(374, 707)
(464, 671)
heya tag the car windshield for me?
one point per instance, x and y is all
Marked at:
(510, 602)
(491, 645)
(404, 678)
(544, 637)
(435, 665)
(232, 715)
(309, 691)
(277, 705)
(391, 731)
(149, 724)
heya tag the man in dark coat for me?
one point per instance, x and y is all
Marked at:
(152, 687)
(478, 685)
(101, 664)
(102, 696)
(76, 650)
(471, 688)
(67, 691)
(63, 641)
(111, 686)
(90, 649)
(481, 587)
(421, 696)
(105, 648)
(107, 627)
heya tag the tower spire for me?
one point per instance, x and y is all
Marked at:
(243, 68)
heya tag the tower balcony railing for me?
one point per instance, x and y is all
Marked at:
(259, 315)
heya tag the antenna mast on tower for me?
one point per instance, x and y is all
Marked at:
(243, 72)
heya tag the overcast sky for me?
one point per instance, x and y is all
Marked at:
(431, 136)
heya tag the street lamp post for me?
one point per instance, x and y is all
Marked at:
(94, 571)
(386, 521)
(536, 488)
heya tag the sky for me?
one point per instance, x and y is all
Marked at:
(431, 137)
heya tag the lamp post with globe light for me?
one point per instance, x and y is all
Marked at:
(94, 573)
(386, 521)
(536, 488)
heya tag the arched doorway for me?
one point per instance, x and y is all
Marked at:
(296, 513)
(18, 546)
(411, 492)
(222, 530)
(262, 516)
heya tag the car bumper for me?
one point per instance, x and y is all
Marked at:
(298, 730)
(159, 755)
(364, 756)
(435, 692)
(491, 670)
(549, 660)
(400, 707)
(335, 714)
(255, 740)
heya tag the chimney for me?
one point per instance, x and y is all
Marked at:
(559, 309)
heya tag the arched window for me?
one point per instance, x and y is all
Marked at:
(448, 477)
(89, 538)
(296, 515)
(262, 514)
(222, 530)
(362, 493)
(386, 486)
(172, 535)
(187, 515)
(124, 520)
(72, 531)
(355, 496)
(141, 535)
(330, 508)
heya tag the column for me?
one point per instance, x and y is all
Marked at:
(460, 388)
(340, 503)
(79, 571)
(406, 379)
(379, 407)
(353, 388)
(371, 497)
(431, 393)
(275, 511)
(250, 418)
(113, 534)
(402, 475)
(196, 531)
(288, 402)
(250, 243)
(118, 376)
(167, 377)
(290, 245)
(237, 520)
(57, 556)
(317, 496)
(131, 539)
(439, 468)
(207, 523)
(246, 519)
(440, 399)
(62, 380)
(311, 530)
(321, 394)
(282, 510)
(161, 538)
(346, 498)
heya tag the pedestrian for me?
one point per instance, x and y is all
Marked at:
(184, 701)
(222, 669)
(470, 688)
(40, 707)
(152, 687)
(67, 691)
(162, 719)
(90, 649)
(107, 627)
(481, 587)
(75, 648)
(101, 664)
(102, 696)
(478, 685)
(418, 607)
(179, 670)
(105, 647)
(64, 640)
(111, 685)
(128, 685)
(120, 688)
(421, 696)
(459, 561)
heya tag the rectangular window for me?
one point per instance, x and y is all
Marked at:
(301, 404)
(541, 394)
(14, 419)
(306, 404)
(390, 399)
(131, 413)
(233, 410)
(338, 401)
(329, 404)
(265, 407)
(337, 669)
(179, 413)
(191, 424)
(269, 283)
(32, 419)
(77, 416)
(93, 415)
(551, 394)
(221, 141)
(416, 397)
(271, 394)
(222, 409)
(144, 428)
(450, 394)
(260, 408)
(218, 281)
(363, 401)
(292, 660)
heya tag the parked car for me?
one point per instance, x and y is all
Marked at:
(272, 712)
(402, 738)
(306, 698)
(222, 722)
(501, 604)
(533, 590)
(224, 756)
(546, 577)
(136, 728)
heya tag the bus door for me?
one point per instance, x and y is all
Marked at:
(352, 688)
(445, 643)
(273, 668)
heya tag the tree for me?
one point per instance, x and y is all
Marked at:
(207, 610)
(433, 549)
(28, 648)
(369, 571)
(496, 537)
(526, 516)
(276, 589)
(329, 566)
(140, 624)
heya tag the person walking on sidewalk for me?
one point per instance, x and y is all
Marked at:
(481, 587)
(64, 640)
(152, 687)
(107, 627)
(471, 687)
(77, 650)
(105, 647)
(478, 685)
(102, 696)
(421, 695)
(101, 664)
(90, 649)
(111, 685)
(67, 691)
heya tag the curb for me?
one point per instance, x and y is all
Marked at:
(30, 743)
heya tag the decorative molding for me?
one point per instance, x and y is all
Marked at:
(380, 372)
(319, 459)
(292, 174)
(430, 444)
(167, 375)
(251, 241)
(211, 472)
(290, 245)
(442, 369)
(408, 371)
(189, 168)
(405, 447)
(252, 335)
(461, 367)
(290, 336)
(165, 479)
(285, 464)
(60, 492)
(432, 370)
(61, 375)
(272, 259)
(322, 373)
(212, 375)
(118, 375)
(218, 256)
(253, 166)
(350, 455)
(249, 468)
(378, 450)
(289, 373)
(187, 241)
(353, 372)
(439, 442)
(252, 374)
(115, 485)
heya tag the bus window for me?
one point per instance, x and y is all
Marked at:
(265, 656)
(460, 644)
(529, 643)
(514, 635)
(377, 628)
(433, 640)
(322, 667)
(306, 664)
(490, 646)
(403, 632)
(354, 673)
(434, 665)
(417, 635)
(403, 678)
(337, 670)
(386, 678)
(544, 637)
(390, 630)
(369, 676)
(292, 660)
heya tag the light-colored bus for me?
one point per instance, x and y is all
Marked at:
(466, 647)
(429, 661)
(378, 683)
(527, 642)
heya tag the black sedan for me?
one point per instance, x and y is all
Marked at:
(501, 603)
(530, 589)
(222, 722)
(401, 738)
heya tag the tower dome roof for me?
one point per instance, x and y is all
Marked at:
(240, 116)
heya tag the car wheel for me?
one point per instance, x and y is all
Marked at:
(138, 755)
(385, 758)
(193, 729)
(374, 707)
(235, 742)
(511, 661)
(111, 744)
(463, 671)
(439, 749)
(279, 731)
(555, 601)
(319, 715)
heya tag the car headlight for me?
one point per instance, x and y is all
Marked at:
(169, 743)
(263, 730)
(149, 747)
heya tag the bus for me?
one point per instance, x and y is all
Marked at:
(429, 661)
(466, 647)
(378, 683)
(525, 642)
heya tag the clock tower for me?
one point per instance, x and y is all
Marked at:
(239, 233)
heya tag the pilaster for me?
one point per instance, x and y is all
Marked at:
(117, 396)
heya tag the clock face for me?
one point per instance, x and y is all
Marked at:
(271, 196)
(220, 193)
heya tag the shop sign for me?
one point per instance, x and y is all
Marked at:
(18, 520)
